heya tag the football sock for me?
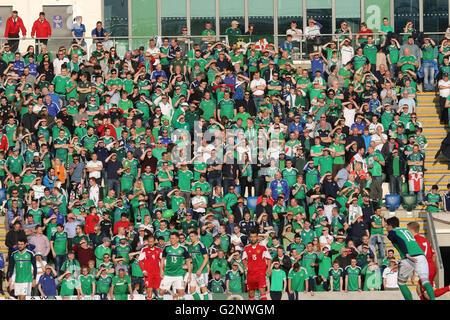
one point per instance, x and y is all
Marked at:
(196, 296)
(427, 286)
(263, 297)
(440, 291)
(405, 291)
(159, 297)
(251, 298)
(206, 296)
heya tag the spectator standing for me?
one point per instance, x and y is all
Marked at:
(312, 34)
(295, 32)
(41, 31)
(13, 236)
(234, 29)
(14, 25)
(40, 242)
(47, 282)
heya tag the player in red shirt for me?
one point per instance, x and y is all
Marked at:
(427, 248)
(256, 259)
(149, 261)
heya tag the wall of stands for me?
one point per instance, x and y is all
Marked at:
(131, 18)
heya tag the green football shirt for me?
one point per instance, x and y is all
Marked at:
(175, 259)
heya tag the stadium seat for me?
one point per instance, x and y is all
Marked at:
(251, 202)
(392, 202)
(409, 203)
(405, 189)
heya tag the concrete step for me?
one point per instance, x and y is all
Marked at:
(421, 100)
(434, 170)
(434, 133)
(426, 103)
(429, 119)
(426, 126)
(424, 112)
(425, 94)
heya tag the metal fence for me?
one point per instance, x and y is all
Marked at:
(124, 43)
(121, 43)
(300, 48)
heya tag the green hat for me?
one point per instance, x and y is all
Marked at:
(320, 96)
(163, 118)
(168, 213)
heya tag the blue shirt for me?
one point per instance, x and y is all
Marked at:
(158, 73)
(78, 30)
(447, 201)
(367, 140)
(33, 69)
(2, 261)
(49, 182)
(48, 284)
(230, 80)
(287, 46)
(18, 66)
(53, 109)
(59, 216)
(360, 126)
(317, 64)
(294, 126)
(99, 34)
(55, 98)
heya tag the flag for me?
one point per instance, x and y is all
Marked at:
(261, 41)
(415, 180)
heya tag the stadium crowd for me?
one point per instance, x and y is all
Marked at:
(200, 149)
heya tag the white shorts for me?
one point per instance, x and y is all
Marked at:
(169, 281)
(22, 289)
(406, 268)
(197, 281)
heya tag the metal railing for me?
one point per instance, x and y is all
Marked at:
(434, 242)
(126, 43)
(300, 46)
(121, 43)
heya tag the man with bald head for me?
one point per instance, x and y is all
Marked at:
(408, 61)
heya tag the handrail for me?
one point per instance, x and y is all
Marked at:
(434, 242)
(126, 42)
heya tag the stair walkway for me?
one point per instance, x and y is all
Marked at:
(437, 170)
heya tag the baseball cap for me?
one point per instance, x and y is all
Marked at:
(234, 22)
(36, 154)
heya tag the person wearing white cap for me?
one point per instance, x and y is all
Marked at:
(68, 284)
(234, 29)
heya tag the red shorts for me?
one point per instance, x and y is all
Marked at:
(256, 281)
(152, 281)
